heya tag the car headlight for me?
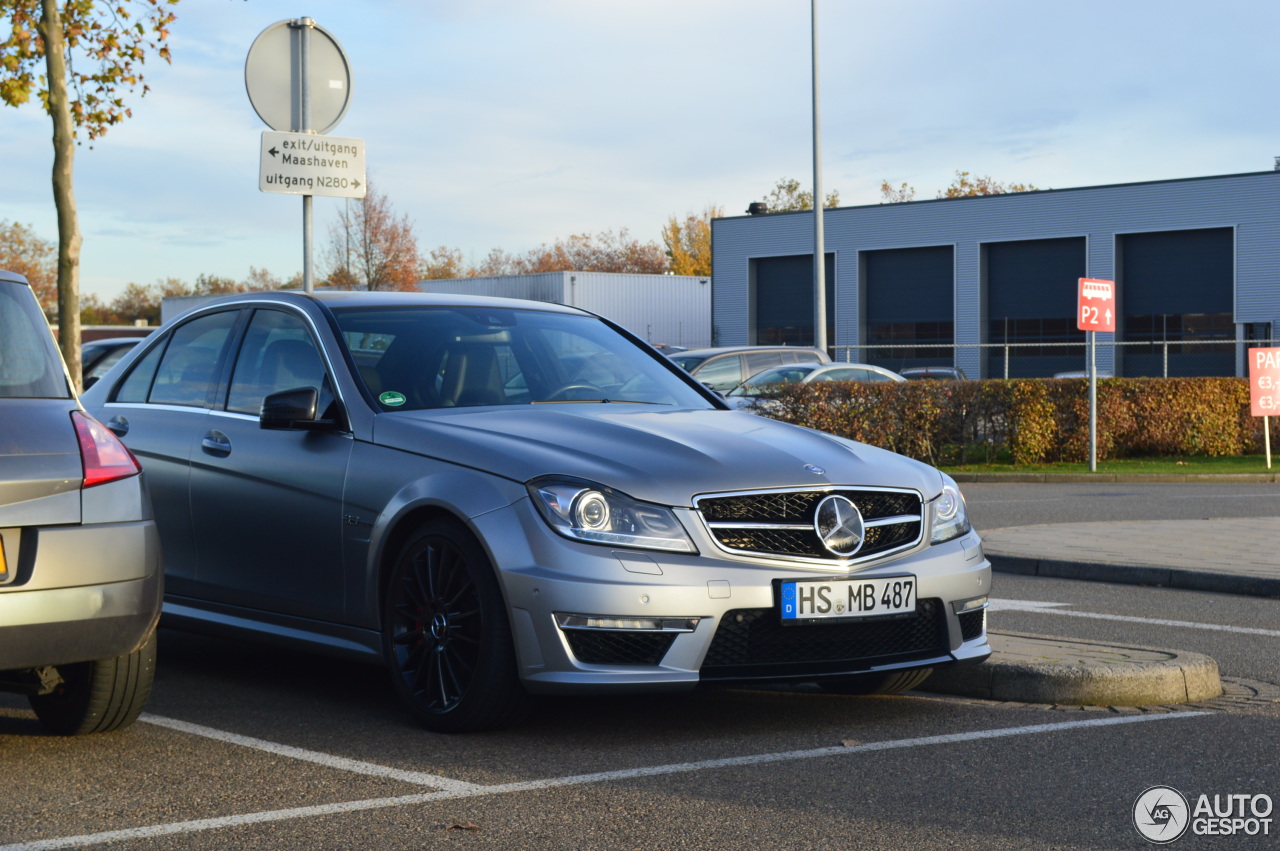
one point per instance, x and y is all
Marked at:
(585, 511)
(950, 518)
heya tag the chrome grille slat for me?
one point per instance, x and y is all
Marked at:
(780, 523)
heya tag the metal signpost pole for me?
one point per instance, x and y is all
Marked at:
(1093, 404)
(303, 25)
(819, 250)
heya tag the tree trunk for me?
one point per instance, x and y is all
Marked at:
(64, 148)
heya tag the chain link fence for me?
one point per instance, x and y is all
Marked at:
(1132, 359)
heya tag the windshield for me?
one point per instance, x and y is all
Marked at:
(768, 380)
(29, 364)
(415, 358)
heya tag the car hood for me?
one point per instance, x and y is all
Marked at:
(659, 455)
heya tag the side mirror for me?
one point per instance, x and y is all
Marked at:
(291, 409)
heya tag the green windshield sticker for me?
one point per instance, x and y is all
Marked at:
(392, 399)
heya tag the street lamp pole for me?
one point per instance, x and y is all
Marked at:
(819, 250)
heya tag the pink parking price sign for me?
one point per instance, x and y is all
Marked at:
(1264, 390)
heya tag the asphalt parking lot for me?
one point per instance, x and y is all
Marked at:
(257, 748)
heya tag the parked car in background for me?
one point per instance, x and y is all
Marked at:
(1082, 373)
(725, 367)
(763, 386)
(936, 373)
(98, 356)
(500, 498)
(668, 349)
(80, 581)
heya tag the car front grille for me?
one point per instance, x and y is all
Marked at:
(619, 647)
(753, 643)
(782, 523)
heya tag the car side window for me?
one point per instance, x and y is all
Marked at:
(843, 375)
(721, 373)
(758, 361)
(185, 370)
(278, 353)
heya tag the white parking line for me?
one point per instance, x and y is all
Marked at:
(355, 766)
(471, 790)
(997, 605)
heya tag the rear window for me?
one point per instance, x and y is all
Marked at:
(30, 366)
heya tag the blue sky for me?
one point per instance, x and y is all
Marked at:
(510, 123)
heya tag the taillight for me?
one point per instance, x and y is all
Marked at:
(105, 458)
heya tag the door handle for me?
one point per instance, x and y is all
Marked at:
(216, 443)
(118, 425)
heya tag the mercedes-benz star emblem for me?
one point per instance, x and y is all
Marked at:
(838, 523)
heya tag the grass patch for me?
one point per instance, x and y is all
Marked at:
(1195, 464)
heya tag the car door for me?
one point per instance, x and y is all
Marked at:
(158, 411)
(266, 504)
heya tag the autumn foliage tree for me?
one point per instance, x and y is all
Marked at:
(372, 248)
(787, 196)
(689, 242)
(34, 258)
(607, 251)
(77, 57)
(137, 302)
(964, 185)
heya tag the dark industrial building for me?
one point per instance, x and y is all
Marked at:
(989, 283)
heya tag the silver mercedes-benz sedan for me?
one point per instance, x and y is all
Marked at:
(500, 499)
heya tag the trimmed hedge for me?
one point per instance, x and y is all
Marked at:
(1036, 419)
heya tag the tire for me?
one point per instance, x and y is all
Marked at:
(446, 636)
(893, 682)
(99, 696)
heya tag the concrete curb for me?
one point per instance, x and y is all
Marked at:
(1043, 669)
(1137, 574)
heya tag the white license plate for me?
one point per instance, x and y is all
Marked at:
(847, 598)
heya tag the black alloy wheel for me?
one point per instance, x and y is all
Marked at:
(448, 642)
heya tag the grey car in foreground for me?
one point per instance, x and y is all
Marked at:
(80, 580)
(500, 499)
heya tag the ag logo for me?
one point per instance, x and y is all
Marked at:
(1161, 814)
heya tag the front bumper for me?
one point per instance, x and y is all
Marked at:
(738, 634)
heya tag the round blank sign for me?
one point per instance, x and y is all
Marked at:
(274, 77)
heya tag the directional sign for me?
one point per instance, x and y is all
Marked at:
(310, 164)
(1096, 305)
(1264, 382)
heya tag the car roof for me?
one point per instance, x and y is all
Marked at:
(722, 350)
(12, 277)
(348, 299)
